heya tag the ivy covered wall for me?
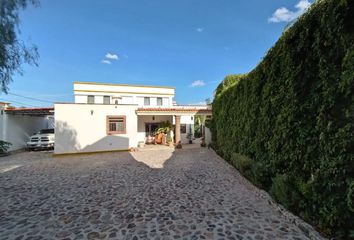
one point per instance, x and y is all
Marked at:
(288, 125)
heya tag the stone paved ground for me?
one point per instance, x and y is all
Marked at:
(188, 194)
(22, 158)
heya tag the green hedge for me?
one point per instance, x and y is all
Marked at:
(293, 115)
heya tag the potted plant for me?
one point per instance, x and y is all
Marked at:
(189, 137)
(161, 132)
(4, 147)
(158, 135)
(179, 145)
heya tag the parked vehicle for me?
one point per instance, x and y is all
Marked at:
(44, 139)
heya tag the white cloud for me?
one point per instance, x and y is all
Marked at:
(303, 5)
(200, 29)
(197, 83)
(112, 56)
(285, 15)
(105, 61)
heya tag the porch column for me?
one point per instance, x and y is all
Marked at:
(178, 128)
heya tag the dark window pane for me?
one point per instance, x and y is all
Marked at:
(46, 131)
(183, 128)
(112, 127)
(90, 99)
(159, 101)
(146, 101)
(106, 99)
(120, 126)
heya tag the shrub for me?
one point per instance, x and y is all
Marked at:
(243, 164)
(294, 116)
(4, 146)
(350, 197)
(284, 191)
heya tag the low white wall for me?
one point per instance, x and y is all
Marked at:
(207, 135)
(83, 128)
(17, 129)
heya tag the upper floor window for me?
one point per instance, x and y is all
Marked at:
(90, 99)
(106, 100)
(116, 125)
(146, 101)
(159, 101)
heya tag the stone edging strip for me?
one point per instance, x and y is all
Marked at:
(306, 228)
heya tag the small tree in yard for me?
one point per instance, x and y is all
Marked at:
(13, 51)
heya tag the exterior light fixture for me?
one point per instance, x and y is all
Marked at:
(153, 118)
(91, 112)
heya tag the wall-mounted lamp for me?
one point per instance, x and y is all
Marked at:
(91, 112)
(153, 118)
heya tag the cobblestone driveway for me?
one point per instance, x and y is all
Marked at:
(188, 194)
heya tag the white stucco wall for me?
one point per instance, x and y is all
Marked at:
(186, 119)
(207, 135)
(122, 88)
(83, 128)
(17, 129)
(153, 101)
(80, 99)
(127, 100)
(127, 94)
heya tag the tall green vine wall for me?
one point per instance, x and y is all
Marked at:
(292, 117)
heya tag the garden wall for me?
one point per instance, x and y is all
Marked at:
(288, 125)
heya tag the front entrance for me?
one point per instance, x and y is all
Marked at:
(150, 129)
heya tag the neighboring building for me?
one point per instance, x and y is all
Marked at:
(108, 117)
(18, 124)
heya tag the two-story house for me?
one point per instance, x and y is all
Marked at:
(112, 117)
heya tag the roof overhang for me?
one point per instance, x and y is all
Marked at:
(30, 111)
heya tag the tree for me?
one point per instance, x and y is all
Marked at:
(13, 51)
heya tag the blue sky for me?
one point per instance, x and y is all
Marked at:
(189, 44)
